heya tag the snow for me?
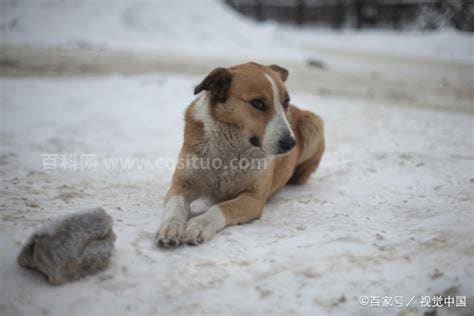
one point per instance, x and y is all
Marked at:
(385, 210)
(170, 27)
(209, 29)
(446, 44)
(389, 211)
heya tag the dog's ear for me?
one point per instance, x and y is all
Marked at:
(217, 83)
(281, 71)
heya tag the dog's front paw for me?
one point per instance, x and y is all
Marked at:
(201, 228)
(170, 234)
(198, 232)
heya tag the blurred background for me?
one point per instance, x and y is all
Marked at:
(92, 96)
(359, 14)
(375, 49)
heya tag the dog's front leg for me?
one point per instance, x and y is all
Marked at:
(242, 209)
(172, 229)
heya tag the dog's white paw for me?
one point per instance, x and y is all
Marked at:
(201, 228)
(171, 233)
(198, 232)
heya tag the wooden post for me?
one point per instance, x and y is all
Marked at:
(339, 15)
(258, 10)
(358, 14)
(299, 11)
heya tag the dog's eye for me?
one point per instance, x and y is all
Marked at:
(286, 103)
(258, 104)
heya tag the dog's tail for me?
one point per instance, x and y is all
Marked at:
(310, 133)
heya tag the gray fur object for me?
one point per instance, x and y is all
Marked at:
(70, 247)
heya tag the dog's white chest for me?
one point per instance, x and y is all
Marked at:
(228, 167)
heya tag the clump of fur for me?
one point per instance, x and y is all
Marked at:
(71, 247)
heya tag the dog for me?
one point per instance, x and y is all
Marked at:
(242, 113)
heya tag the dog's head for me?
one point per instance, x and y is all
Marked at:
(254, 98)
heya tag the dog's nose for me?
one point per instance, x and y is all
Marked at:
(254, 141)
(286, 144)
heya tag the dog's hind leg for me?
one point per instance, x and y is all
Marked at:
(310, 131)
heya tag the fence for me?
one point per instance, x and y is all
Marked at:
(394, 14)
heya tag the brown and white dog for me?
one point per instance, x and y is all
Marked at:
(243, 113)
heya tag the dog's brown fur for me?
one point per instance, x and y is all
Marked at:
(219, 124)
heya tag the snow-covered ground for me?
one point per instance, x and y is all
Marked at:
(205, 29)
(389, 212)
